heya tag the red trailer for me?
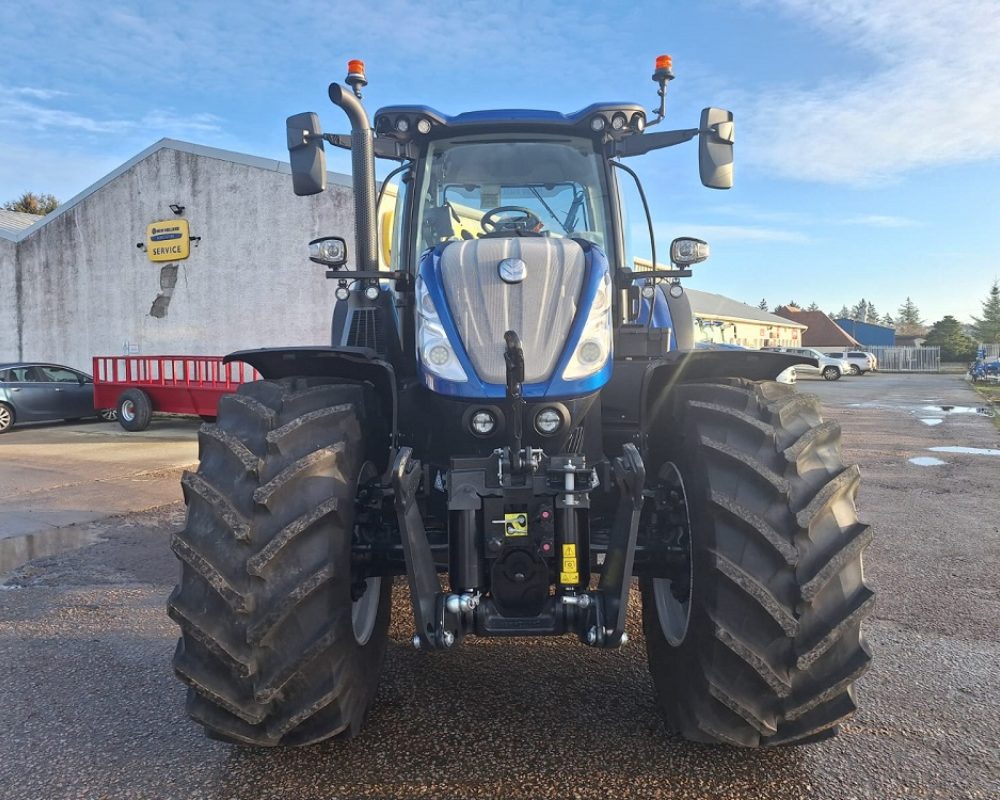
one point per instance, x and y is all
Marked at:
(136, 386)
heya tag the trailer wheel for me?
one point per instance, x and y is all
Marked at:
(134, 410)
(282, 638)
(757, 641)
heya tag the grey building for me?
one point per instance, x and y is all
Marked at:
(80, 281)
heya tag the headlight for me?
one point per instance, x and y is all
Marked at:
(483, 423)
(594, 348)
(548, 421)
(436, 352)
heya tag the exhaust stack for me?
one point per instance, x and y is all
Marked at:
(363, 170)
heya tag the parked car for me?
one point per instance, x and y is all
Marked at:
(860, 361)
(37, 392)
(830, 368)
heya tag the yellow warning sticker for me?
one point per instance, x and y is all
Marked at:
(516, 524)
(569, 578)
(569, 551)
(569, 565)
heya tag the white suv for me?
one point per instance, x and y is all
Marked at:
(830, 368)
(859, 361)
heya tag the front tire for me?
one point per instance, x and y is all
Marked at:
(855, 369)
(831, 374)
(273, 648)
(771, 642)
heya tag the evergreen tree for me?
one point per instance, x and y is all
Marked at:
(871, 315)
(813, 307)
(987, 328)
(888, 321)
(908, 322)
(844, 313)
(792, 304)
(762, 305)
(859, 311)
(31, 203)
(955, 345)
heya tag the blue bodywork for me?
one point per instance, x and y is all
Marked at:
(555, 387)
(498, 118)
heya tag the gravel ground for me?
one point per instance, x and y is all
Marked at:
(90, 709)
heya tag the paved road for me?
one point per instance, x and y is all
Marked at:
(58, 479)
(89, 708)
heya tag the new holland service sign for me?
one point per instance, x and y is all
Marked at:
(169, 240)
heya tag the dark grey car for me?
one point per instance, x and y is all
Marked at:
(35, 392)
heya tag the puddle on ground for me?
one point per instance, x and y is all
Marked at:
(975, 451)
(981, 410)
(931, 420)
(926, 461)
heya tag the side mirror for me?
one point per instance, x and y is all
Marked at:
(715, 148)
(329, 250)
(306, 154)
(685, 251)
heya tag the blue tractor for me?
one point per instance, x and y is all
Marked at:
(512, 406)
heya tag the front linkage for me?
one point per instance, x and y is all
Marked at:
(550, 499)
(520, 516)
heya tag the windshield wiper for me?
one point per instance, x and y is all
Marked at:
(548, 208)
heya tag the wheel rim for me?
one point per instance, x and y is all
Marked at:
(364, 610)
(4, 418)
(128, 411)
(672, 599)
(855, 370)
(109, 415)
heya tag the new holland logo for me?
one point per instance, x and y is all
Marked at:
(512, 270)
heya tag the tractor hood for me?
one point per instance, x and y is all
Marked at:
(542, 288)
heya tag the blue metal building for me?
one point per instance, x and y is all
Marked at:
(868, 334)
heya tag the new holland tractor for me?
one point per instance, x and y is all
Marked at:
(520, 422)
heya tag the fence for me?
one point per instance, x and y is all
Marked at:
(908, 359)
(992, 351)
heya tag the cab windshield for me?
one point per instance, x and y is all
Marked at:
(487, 186)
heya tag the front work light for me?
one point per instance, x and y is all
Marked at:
(329, 250)
(483, 423)
(548, 421)
(685, 251)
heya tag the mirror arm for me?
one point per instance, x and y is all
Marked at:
(384, 148)
(638, 144)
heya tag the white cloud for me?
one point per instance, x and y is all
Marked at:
(934, 99)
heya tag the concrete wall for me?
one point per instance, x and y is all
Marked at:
(86, 289)
(8, 300)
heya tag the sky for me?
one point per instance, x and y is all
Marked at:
(867, 146)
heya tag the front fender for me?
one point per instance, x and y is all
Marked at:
(358, 364)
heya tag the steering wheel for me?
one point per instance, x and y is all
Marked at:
(527, 220)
